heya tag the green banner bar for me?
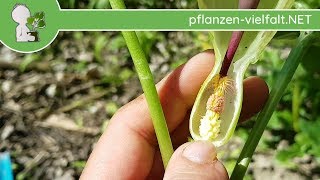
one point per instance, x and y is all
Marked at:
(170, 20)
(31, 25)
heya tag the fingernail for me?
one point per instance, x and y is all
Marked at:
(200, 152)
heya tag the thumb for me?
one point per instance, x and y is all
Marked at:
(196, 160)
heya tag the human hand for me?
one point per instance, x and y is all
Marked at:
(128, 149)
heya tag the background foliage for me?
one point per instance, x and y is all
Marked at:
(56, 103)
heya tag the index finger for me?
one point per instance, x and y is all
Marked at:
(129, 143)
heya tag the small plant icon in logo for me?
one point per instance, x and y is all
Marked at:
(37, 22)
(22, 16)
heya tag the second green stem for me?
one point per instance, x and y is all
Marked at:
(278, 89)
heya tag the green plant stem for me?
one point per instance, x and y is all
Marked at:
(149, 89)
(263, 118)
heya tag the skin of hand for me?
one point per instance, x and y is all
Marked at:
(128, 148)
